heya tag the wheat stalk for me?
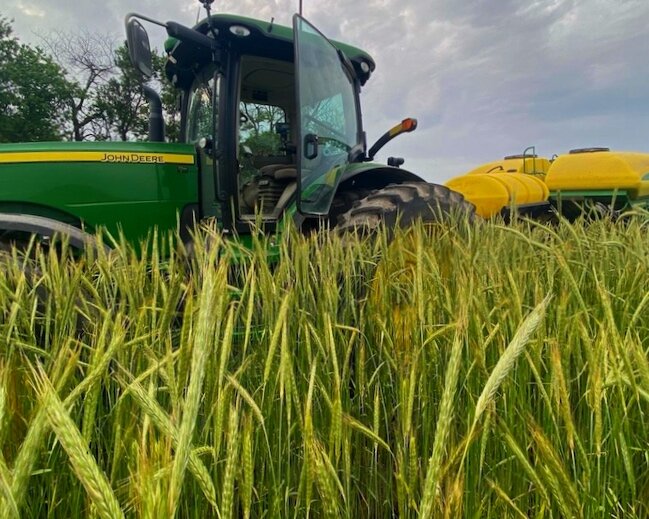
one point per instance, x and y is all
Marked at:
(227, 492)
(247, 467)
(443, 423)
(508, 359)
(7, 502)
(203, 342)
(164, 424)
(84, 465)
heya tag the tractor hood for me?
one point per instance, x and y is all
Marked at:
(97, 152)
(265, 39)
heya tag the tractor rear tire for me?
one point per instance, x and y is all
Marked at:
(401, 205)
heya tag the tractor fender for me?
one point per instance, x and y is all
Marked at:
(375, 176)
(47, 228)
(359, 180)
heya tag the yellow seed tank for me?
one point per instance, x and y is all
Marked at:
(515, 180)
(603, 170)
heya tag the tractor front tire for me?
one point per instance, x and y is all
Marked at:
(344, 201)
(401, 205)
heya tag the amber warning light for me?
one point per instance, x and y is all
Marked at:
(409, 124)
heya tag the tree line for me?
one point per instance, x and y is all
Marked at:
(75, 87)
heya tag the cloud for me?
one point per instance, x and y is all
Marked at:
(485, 78)
(30, 11)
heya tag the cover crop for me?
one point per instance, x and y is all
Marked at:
(476, 370)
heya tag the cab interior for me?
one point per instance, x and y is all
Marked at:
(266, 136)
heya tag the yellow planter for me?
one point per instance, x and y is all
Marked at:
(603, 170)
(492, 192)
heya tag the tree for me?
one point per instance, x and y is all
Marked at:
(92, 92)
(122, 103)
(258, 127)
(107, 102)
(33, 90)
(87, 59)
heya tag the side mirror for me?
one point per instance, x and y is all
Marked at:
(139, 49)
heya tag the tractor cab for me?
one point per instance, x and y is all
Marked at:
(273, 111)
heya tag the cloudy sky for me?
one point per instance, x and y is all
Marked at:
(485, 78)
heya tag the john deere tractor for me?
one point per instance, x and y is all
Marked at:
(314, 167)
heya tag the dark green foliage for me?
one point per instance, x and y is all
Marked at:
(125, 110)
(32, 91)
(265, 143)
(258, 128)
(121, 102)
(92, 93)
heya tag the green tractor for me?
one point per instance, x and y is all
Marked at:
(238, 78)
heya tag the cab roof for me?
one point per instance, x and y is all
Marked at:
(266, 39)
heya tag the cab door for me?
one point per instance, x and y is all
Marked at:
(328, 112)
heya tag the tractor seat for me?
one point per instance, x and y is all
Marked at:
(279, 171)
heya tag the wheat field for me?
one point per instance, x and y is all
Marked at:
(470, 370)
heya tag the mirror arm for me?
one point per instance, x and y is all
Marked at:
(142, 17)
(407, 125)
(176, 30)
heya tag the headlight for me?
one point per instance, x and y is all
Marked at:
(239, 31)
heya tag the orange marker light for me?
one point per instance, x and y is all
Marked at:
(409, 124)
